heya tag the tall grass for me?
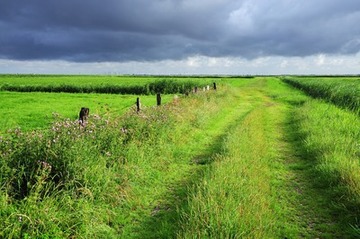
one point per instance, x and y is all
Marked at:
(71, 181)
(332, 136)
(24, 79)
(121, 80)
(164, 86)
(239, 195)
(247, 192)
(232, 201)
(344, 92)
(97, 181)
(54, 182)
(322, 154)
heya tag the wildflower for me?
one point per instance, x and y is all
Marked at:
(97, 117)
(45, 165)
(124, 130)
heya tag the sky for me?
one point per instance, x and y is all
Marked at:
(235, 37)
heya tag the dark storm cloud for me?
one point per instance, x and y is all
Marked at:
(143, 30)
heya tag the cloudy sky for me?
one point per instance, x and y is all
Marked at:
(180, 36)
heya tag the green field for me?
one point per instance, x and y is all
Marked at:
(256, 158)
(36, 110)
(341, 91)
(103, 84)
(87, 80)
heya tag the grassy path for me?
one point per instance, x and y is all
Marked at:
(245, 194)
(256, 179)
(195, 154)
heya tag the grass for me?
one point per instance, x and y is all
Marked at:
(255, 159)
(324, 204)
(232, 200)
(112, 172)
(81, 80)
(243, 193)
(247, 192)
(330, 143)
(36, 110)
(343, 92)
(92, 80)
(102, 84)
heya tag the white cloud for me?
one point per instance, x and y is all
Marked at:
(317, 64)
(320, 60)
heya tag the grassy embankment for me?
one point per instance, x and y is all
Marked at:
(248, 161)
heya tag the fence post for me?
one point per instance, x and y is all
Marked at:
(158, 99)
(83, 115)
(137, 104)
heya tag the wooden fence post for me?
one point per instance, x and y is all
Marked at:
(158, 99)
(83, 115)
(137, 104)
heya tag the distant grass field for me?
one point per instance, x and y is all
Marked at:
(57, 80)
(342, 91)
(30, 109)
(92, 80)
(103, 84)
(35, 110)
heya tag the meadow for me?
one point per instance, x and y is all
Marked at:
(86, 80)
(37, 110)
(102, 84)
(256, 158)
(342, 91)
(33, 100)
